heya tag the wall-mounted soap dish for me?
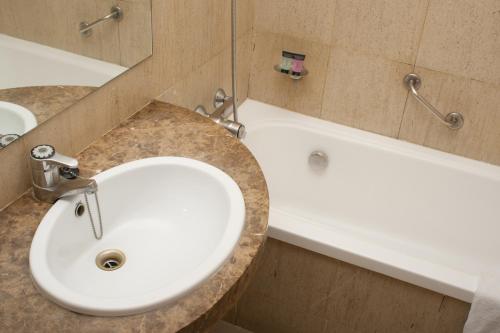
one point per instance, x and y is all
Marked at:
(304, 73)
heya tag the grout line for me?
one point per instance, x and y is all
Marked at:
(421, 33)
(403, 115)
(252, 59)
(327, 71)
(414, 66)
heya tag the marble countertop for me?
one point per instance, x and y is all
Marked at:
(45, 101)
(158, 130)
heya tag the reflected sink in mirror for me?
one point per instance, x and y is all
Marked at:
(15, 120)
(169, 223)
(48, 72)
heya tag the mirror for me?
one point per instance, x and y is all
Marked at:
(55, 52)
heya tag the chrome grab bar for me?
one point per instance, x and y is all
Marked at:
(115, 14)
(453, 120)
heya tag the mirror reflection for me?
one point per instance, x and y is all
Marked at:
(55, 52)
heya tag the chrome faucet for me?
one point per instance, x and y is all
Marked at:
(56, 176)
(223, 109)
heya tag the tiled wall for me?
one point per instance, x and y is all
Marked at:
(190, 38)
(55, 23)
(299, 291)
(358, 52)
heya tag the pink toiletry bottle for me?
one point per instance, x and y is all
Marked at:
(298, 64)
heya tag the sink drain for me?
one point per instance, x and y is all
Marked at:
(110, 260)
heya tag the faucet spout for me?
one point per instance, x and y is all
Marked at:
(76, 186)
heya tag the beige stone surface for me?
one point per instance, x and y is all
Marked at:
(15, 176)
(302, 19)
(135, 35)
(87, 122)
(462, 37)
(158, 130)
(477, 101)
(365, 92)
(199, 86)
(386, 28)
(296, 290)
(55, 23)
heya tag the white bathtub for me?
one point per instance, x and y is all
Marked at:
(24, 63)
(419, 215)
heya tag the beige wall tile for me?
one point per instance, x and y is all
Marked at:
(243, 64)
(199, 86)
(365, 91)
(462, 37)
(55, 131)
(204, 82)
(15, 177)
(107, 36)
(189, 38)
(133, 32)
(303, 19)
(477, 101)
(88, 122)
(387, 28)
(268, 86)
(8, 23)
(132, 97)
(246, 16)
(55, 23)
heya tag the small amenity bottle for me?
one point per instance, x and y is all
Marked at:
(286, 62)
(298, 64)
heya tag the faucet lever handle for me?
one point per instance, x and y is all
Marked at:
(64, 161)
(47, 153)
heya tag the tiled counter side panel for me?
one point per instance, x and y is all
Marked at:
(296, 290)
(158, 130)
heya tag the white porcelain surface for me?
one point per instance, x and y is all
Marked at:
(24, 64)
(15, 119)
(177, 220)
(410, 212)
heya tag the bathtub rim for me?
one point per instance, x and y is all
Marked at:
(378, 141)
(325, 240)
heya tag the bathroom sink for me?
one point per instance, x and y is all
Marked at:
(169, 224)
(15, 119)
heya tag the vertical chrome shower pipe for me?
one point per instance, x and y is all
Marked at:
(233, 57)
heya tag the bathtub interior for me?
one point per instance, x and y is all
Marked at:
(417, 214)
(24, 64)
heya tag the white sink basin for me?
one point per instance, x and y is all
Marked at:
(175, 219)
(15, 119)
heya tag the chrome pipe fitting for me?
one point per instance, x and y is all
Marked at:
(235, 128)
(223, 110)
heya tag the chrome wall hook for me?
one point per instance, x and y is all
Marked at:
(115, 14)
(453, 120)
